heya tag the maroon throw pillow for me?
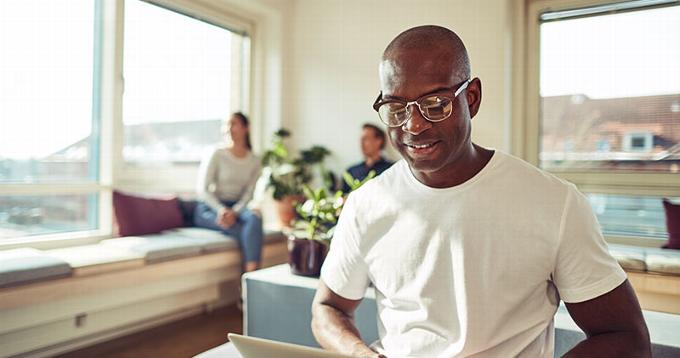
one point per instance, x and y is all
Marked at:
(673, 224)
(139, 216)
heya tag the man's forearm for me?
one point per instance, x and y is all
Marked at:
(615, 344)
(336, 331)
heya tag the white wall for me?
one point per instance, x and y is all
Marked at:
(331, 60)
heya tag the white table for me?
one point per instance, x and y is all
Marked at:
(226, 350)
(277, 306)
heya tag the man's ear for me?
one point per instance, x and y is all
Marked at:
(474, 96)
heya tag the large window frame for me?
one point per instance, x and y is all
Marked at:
(178, 178)
(101, 185)
(526, 99)
(238, 100)
(108, 121)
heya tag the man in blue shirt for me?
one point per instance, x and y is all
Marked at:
(372, 144)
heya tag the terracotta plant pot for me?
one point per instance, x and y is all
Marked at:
(285, 208)
(305, 257)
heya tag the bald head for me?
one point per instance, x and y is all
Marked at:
(433, 48)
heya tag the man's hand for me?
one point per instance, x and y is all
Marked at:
(613, 324)
(226, 218)
(333, 324)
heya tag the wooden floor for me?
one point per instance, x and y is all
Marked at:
(184, 338)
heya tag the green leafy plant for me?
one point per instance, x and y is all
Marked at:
(278, 153)
(286, 174)
(354, 183)
(318, 215)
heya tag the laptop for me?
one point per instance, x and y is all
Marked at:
(251, 347)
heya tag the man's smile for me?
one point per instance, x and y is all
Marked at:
(422, 148)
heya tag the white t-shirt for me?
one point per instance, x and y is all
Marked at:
(473, 270)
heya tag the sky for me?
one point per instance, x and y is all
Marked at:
(46, 66)
(621, 55)
(46, 70)
(175, 69)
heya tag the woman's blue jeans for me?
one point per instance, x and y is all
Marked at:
(247, 229)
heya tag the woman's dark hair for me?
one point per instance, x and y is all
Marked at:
(244, 120)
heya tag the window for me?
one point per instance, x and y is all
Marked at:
(69, 123)
(602, 76)
(182, 77)
(31, 215)
(637, 142)
(46, 92)
(620, 215)
(603, 89)
(49, 117)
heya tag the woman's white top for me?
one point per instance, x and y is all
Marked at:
(225, 177)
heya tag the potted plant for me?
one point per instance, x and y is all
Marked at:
(287, 174)
(313, 230)
(285, 177)
(317, 216)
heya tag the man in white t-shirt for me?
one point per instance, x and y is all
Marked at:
(470, 250)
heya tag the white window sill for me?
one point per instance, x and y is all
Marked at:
(55, 241)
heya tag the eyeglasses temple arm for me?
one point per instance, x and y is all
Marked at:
(377, 100)
(460, 89)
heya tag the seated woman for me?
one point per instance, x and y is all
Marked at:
(226, 181)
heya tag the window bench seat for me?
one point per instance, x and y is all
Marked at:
(53, 301)
(654, 273)
(57, 300)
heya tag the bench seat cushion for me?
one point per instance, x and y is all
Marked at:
(20, 266)
(156, 248)
(664, 261)
(629, 257)
(274, 236)
(89, 259)
(210, 240)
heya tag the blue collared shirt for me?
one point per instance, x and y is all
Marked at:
(361, 170)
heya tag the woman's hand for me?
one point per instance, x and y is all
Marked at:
(226, 218)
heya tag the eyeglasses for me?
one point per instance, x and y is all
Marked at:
(433, 107)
